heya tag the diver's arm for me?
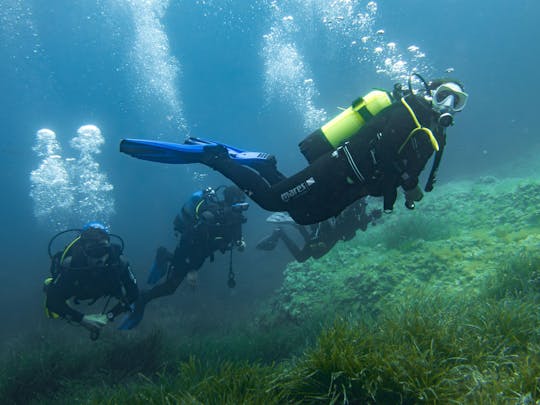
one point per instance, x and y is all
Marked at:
(417, 156)
(416, 160)
(129, 288)
(58, 293)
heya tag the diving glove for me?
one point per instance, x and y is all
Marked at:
(412, 195)
(94, 322)
(240, 245)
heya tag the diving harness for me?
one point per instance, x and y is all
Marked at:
(55, 270)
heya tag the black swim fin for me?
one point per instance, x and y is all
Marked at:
(270, 242)
(280, 218)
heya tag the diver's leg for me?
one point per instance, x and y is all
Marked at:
(250, 181)
(168, 287)
(270, 173)
(303, 231)
(318, 192)
(185, 258)
(300, 255)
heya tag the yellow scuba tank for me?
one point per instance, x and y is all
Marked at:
(342, 127)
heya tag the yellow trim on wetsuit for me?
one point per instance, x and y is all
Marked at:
(418, 128)
(49, 313)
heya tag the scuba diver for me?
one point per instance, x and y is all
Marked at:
(320, 238)
(206, 224)
(380, 143)
(88, 268)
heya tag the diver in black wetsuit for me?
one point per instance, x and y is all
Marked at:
(206, 224)
(89, 268)
(320, 238)
(380, 143)
(389, 151)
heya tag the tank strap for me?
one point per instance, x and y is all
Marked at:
(360, 106)
(365, 114)
(419, 128)
(357, 104)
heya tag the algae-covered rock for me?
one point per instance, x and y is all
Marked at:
(460, 236)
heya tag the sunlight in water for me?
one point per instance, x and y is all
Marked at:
(348, 24)
(287, 76)
(155, 68)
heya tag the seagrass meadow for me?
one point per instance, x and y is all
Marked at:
(439, 305)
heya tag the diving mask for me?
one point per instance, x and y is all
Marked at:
(97, 250)
(97, 253)
(449, 98)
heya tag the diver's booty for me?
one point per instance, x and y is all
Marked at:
(214, 154)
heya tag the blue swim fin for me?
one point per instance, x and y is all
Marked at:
(160, 266)
(162, 152)
(199, 141)
(135, 317)
(193, 151)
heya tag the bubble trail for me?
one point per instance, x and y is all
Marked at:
(287, 76)
(50, 185)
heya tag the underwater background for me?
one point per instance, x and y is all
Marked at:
(434, 305)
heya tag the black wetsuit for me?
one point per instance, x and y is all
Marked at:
(369, 164)
(216, 227)
(74, 279)
(322, 237)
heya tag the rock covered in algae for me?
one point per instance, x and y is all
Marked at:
(458, 237)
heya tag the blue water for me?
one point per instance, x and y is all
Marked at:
(258, 76)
